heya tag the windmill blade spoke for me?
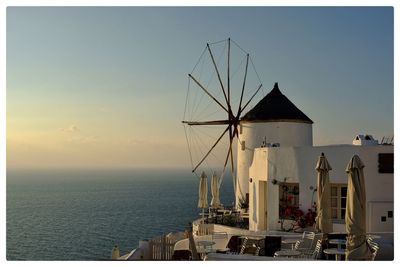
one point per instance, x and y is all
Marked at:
(217, 71)
(248, 102)
(229, 60)
(220, 122)
(230, 144)
(206, 124)
(208, 93)
(209, 151)
(230, 148)
(244, 84)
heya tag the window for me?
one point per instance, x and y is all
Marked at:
(338, 201)
(385, 163)
(288, 199)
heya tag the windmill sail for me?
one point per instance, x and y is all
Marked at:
(221, 87)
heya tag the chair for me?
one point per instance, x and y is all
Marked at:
(309, 236)
(306, 243)
(253, 250)
(310, 253)
(369, 240)
(297, 244)
(244, 244)
(317, 250)
(375, 248)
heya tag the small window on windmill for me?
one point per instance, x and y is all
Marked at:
(243, 145)
(240, 128)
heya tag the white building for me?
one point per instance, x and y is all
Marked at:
(274, 121)
(276, 159)
(294, 167)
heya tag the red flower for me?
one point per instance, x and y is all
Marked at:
(288, 212)
(298, 213)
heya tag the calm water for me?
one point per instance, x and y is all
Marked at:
(81, 215)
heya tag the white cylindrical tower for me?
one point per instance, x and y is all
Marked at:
(274, 121)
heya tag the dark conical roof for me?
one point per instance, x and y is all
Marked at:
(276, 107)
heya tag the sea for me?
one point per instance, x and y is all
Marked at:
(82, 214)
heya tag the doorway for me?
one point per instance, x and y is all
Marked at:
(262, 207)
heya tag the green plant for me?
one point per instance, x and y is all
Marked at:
(229, 220)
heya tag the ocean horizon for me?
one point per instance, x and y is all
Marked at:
(81, 214)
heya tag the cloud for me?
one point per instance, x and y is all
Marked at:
(83, 139)
(70, 129)
(135, 141)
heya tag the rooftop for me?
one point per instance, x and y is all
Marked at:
(275, 106)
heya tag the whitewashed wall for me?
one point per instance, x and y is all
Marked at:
(297, 164)
(254, 133)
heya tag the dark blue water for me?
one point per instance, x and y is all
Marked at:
(81, 215)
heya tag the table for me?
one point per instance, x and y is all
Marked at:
(339, 242)
(290, 241)
(223, 250)
(335, 251)
(205, 244)
(287, 253)
(253, 237)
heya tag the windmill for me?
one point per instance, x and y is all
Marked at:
(222, 87)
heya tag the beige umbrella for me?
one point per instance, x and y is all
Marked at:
(323, 222)
(357, 247)
(215, 202)
(203, 192)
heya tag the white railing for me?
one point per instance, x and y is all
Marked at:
(162, 248)
(200, 228)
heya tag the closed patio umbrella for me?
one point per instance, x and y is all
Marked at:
(323, 222)
(215, 202)
(357, 247)
(203, 192)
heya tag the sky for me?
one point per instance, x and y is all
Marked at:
(105, 87)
